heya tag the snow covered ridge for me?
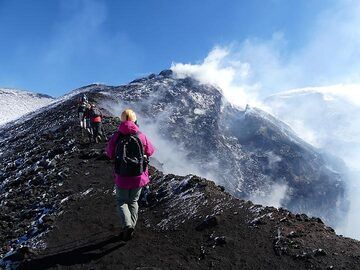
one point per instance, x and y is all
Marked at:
(53, 102)
(346, 92)
(16, 103)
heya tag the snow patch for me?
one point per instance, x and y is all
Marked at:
(199, 111)
(16, 103)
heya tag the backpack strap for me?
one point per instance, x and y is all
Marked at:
(138, 142)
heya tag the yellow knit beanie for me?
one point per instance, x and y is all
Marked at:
(128, 115)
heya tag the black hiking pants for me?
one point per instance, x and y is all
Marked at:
(97, 131)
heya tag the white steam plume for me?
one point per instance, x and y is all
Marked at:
(218, 69)
(275, 196)
(327, 117)
(251, 71)
(173, 156)
(258, 68)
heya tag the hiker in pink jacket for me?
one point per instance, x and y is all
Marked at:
(128, 188)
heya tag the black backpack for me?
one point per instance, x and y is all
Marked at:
(95, 112)
(129, 155)
(82, 107)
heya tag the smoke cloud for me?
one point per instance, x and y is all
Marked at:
(325, 73)
(327, 118)
(274, 196)
(219, 69)
(259, 68)
(172, 155)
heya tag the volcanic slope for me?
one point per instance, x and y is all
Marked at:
(58, 203)
(251, 153)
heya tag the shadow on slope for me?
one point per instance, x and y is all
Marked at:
(78, 255)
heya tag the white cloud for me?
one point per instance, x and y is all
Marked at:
(242, 72)
(275, 196)
(332, 52)
(347, 92)
(254, 69)
(327, 118)
(221, 69)
(171, 154)
(257, 68)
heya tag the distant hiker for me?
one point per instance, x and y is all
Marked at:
(96, 119)
(131, 149)
(87, 122)
(81, 110)
(83, 99)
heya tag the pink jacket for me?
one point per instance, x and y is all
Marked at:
(130, 182)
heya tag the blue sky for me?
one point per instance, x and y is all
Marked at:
(55, 46)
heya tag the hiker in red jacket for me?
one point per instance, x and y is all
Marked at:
(96, 119)
(130, 148)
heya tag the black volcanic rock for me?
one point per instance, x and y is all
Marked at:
(166, 73)
(209, 222)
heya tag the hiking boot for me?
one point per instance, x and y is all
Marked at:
(127, 233)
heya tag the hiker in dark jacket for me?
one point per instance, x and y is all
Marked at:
(81, 110)
(82, 99)
(128, 188)
(87, 122)
(96, 119)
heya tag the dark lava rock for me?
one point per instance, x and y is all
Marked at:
(48, 219)
(92, 153)
(302, 217)
(19, 254)
(319, 252)
(294, 234)
(219, 241)
(166, 73)
(209, 222)
(45, 164)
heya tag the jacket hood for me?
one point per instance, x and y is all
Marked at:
(128, 127)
